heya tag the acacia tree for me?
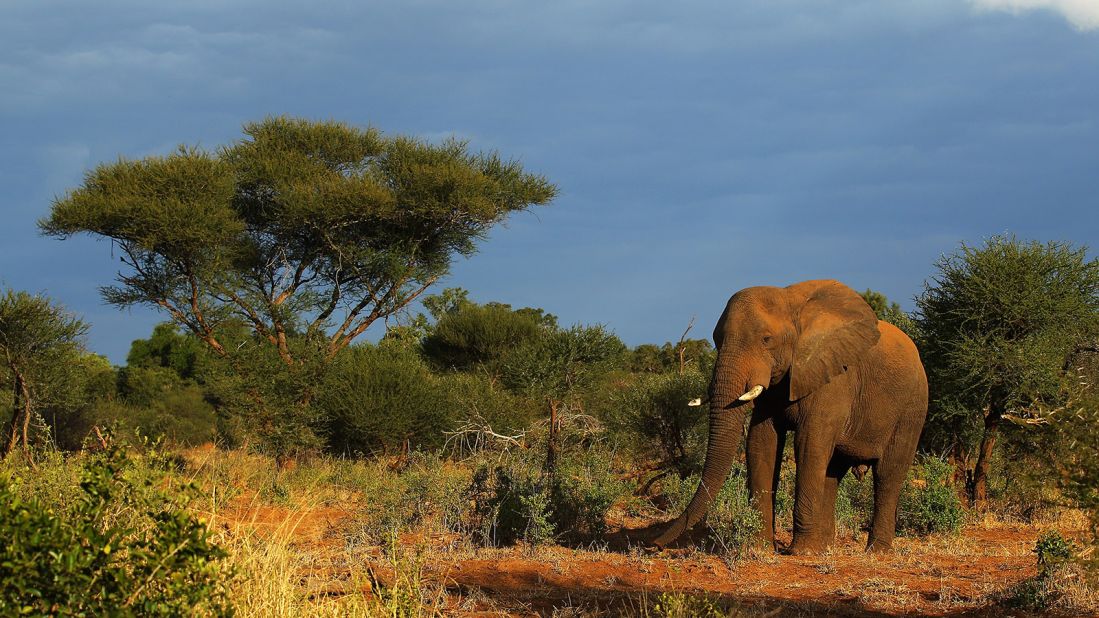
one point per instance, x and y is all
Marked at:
(39, 341)
(305, 232)
(1001, 323)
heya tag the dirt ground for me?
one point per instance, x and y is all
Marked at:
(937, 576)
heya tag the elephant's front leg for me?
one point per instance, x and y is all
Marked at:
(764, 458)
(814, 492)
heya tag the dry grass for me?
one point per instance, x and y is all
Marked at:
(306, 542)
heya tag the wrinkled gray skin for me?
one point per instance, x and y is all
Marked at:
(851, 388)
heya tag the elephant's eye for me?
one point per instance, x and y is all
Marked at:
(766, 339)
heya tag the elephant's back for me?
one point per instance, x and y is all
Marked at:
(903, 370)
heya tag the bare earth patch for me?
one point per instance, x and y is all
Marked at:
(937, 576)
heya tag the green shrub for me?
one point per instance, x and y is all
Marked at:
(733, 523)
(654, 417)
(426, 491)
(1062, 583)
(374, 398)
(854, 504)
(478, 399)
(517, 500)
(1052, 550)
(479, 335)
(583, 489)
(928, 502)
(118, 549)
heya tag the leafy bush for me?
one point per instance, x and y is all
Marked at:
(477, 335)
(477, 398)
(1062, 582)
(733, 524)
(652, 414)
(517, 500)
(1052, 550)
(374, 398)
(854, 505)
(83, 558)
(928, 503)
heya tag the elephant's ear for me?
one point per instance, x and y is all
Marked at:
(836, 327)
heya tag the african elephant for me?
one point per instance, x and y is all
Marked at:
(811, 358)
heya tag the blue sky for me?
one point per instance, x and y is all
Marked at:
(700, 147)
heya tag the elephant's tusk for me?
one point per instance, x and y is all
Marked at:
(694, 403)
(752, 394)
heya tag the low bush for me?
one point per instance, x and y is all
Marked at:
(654, 417)
(928, 502)
(518, 500)
(119, 548)
(733, 524)
(1063, 582)
(375, 398)
(854, 505)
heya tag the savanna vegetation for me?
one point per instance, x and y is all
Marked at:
(256, 456)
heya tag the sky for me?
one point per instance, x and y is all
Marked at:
(700, 147)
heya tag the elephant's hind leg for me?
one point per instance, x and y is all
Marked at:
(889, 474)
(837, 469)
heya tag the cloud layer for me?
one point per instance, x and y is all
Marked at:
(1083, 14)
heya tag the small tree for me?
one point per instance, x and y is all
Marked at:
(555, 366)
(38, 343)
(481, 335)
(310, 229)
(1000, 323)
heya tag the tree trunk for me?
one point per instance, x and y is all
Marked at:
(959, 460)
(20, 414)
(551, 440)
(984, 459)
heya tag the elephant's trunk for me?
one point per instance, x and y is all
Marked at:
(726, 429)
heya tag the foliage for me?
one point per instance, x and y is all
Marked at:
(80, 559)
(653, 414)
(261, 403)
(733, 523)
(1052, 550)
(560, 362)
(854, 504)
(479, 335)
(304, 233)
(1001, 319)
(1061, 583)
(167, 347)
(377, 397)
(999, 325)
(40, 346)
(515, 499)
(298, 219)
(928, 504)
(689, 354)
(479, 399)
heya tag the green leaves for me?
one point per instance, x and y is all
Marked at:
(307, 227)
(1000, 320)
(86, 559)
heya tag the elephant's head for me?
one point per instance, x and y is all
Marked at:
(806, 333)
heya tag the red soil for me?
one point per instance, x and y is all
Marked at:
(943, 577)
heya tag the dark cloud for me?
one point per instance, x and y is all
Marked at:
(700, 147)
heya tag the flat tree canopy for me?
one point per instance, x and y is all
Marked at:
(302, 230)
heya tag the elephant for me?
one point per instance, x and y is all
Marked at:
(811, 358)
